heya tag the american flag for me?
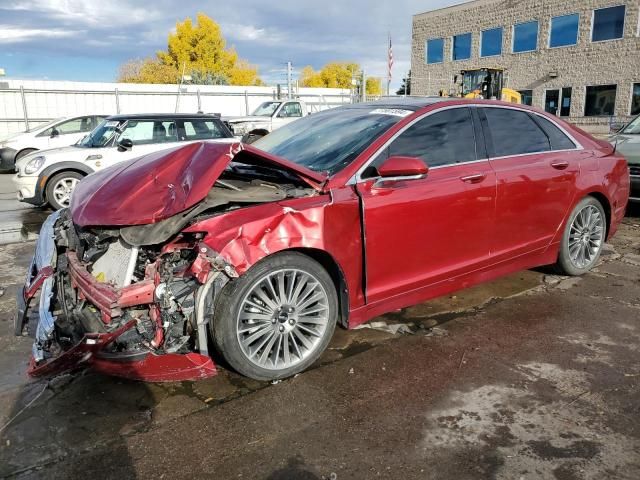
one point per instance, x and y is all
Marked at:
(390, 64)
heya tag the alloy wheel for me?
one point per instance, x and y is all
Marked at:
(282, 319)
(586, 236)
(63, 189)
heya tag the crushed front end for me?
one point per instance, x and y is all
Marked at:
(123, 310)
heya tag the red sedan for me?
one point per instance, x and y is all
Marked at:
(333, 219)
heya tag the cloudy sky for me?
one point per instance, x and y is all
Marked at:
(88, 39)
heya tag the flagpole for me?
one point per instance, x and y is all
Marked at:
(389, 60)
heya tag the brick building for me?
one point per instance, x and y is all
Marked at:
(579, 59)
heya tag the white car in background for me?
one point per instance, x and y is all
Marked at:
(49, 176)
(268, 117)
(57, 133)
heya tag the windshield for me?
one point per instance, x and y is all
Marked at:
(266, 109)
(329, 141)
(633, 127)
(101, 135)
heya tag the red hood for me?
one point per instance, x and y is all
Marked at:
(162, 184)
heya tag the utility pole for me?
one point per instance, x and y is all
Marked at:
(363, 86)
(289, 71)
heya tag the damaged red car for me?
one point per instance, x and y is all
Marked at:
(260, 250)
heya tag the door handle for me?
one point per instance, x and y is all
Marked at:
(473, 178)
(560, 165)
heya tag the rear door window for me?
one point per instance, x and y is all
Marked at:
(201, 129)
(515, 133)
(145, 132)
(442, 138)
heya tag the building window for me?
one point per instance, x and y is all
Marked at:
(608, 23)
(491, 42)
(462, 46)
(564, 30)
(600, 100)
(565, 102)
(525, 37)
(435, 50)
(635, 99)
(526, 97)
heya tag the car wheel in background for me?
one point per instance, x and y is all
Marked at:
(60, 188)
(583, 238)
(276, 319)
(24, 152)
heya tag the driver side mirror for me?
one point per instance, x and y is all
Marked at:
(125, 144)
(54, 133)
(403, 168)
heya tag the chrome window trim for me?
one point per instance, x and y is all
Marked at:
(357, 177)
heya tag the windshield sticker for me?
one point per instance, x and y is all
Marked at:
(112, 124)
(396, 112)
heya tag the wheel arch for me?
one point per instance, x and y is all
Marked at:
(259, 131)
(606, 205)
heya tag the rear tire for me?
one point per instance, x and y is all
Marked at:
(583, 238)
(60, 188)
(276, 319)
(24, 152)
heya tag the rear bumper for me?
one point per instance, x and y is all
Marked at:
(89, 351)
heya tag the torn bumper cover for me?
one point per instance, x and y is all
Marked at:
(93, 348)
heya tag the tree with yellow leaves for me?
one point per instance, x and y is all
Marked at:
(198, 50)
(337, 75)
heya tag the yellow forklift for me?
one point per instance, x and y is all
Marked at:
(486, 83)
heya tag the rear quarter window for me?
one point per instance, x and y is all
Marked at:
(558, 140)
(515, 133)
(201, 130)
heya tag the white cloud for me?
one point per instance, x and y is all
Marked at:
(11, 34)
(251, 33)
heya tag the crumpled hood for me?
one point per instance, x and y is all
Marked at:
(162, 184)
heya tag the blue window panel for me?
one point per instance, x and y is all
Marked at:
(564, 30)
(608, 23)
(525, 37)
(491, 42)
(435, 50)
(462, 46)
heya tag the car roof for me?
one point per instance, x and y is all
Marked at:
(407, 103)
(162, 116)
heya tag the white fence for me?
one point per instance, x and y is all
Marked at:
(27, 103)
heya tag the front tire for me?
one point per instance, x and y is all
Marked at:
(60, 188)
(276, 319)
(583, 238)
